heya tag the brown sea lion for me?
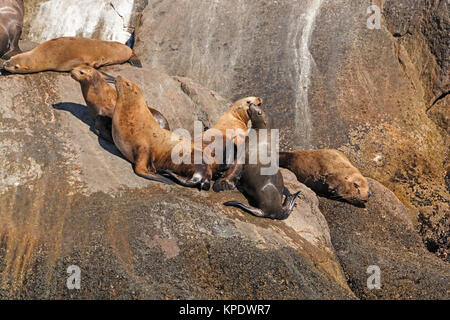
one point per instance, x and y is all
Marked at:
(327, 172)
(148, 146)
(11, 22)
(263, 192)
(101, 99)
(66, 53)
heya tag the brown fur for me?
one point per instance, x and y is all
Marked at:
(144, 143)
(101, 100)
(66, 53)
(11, 23)
(327, 172)
(236, 117)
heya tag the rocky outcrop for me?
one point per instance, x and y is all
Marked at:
(382, 235)
(327, 79)
(69, 198)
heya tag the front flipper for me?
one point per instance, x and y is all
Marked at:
(196, 181)
(146, 174)
(252, 210)
(108, 78)
(289, 203)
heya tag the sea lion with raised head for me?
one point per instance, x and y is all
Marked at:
(101, 99)
(65, 53)
(148, 146)
(263, 192)
(328, 172)
(11, 23)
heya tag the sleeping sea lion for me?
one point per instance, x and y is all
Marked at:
(66, 53)
(327, 172)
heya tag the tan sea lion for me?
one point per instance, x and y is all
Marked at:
(11, 22)
(101, 99)
(66, 53)
(328, 172)
(264, 192)
(148, 146)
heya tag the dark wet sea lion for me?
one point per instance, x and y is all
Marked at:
(101, 99)
(66, 53)
(328, 172)
(11, 22)
(148, 146)
(263, 192)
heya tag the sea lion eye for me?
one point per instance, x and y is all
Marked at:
(128, 84)
(248, 102)
(16, 67)
(81, 72)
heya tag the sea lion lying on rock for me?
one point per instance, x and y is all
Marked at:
(328, 172)
(66, 53)
(101, 99)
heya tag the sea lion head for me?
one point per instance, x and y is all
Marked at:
(257, 116)
(18, 64)
(82, 73)
(355, 189)
(126, 88)
(240, 107)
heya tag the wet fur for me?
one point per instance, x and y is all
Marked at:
(328, 172)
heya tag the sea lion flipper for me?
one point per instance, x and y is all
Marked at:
(141, 170)
(108, 78)
(289, 203)
(252, 210)
(134, 61)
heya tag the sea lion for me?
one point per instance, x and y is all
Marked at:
(263, 192)
(148, 146)
(327, 172)
(66, 53)
(11, 23)
(234, 118)
(101, 99)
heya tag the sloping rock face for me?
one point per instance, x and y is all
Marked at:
(68, 198)
(328, 80)
(382, 235)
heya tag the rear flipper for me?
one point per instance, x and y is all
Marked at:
(289, 203)
(108, 78)
(196, 181)
(134, 61)
(151, 176)
(252, 210)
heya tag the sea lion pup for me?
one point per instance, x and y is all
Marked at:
(328, 172)
(263, 192)
(66, 53)
(148, 146)
(101, 99)
(11, 22)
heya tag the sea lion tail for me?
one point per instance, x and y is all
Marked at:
(252, 210)
(135, 61)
